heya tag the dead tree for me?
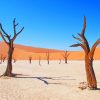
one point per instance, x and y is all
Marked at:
(40, 60)
(30, 59)
(89, 53)
(48, 56)
(3, 59)
(14, 60)
(9, 41)
(66, 54)
(59, 61)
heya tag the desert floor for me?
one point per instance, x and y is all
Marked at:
(47, 82)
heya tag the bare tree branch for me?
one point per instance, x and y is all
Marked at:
(77, 38)
(81, 45)
(20, 31)
(3, 29)
(84, 40)
(15, 35)
(5, 34)
(75, 45)
(84, 27)
(68, 54)
(3, 38)
(93, 48)
(14, 26)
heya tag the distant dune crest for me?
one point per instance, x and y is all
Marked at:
(24, 52)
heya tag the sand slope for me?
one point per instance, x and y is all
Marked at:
(24, 52)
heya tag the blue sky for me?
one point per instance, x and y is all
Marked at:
(51, 23)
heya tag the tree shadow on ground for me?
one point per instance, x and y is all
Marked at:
(47, 79)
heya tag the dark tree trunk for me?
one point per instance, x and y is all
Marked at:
(66, 60)
(48, 61)
(91, 79)
(40, 61)
(30, 61)
(48, 56)
(60, 61)
(66, 55)
(1, 59)
(9, 63)
(14, 61)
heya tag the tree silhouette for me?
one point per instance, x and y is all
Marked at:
(40, 60)
(9, 41)
(59, 61)
(14, 60)
(89, 53)
(3, 58)
(48, 56)
(66, 55)
(30, 59)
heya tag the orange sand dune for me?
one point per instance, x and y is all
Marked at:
(24, 52)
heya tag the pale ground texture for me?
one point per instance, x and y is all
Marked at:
(48, 82)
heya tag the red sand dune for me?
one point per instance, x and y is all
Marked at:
(24, 52)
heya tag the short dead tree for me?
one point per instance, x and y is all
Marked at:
(89, 53)
(40, 60)
(30, 60)
(48, 56)
(14, 60)
(59, 61)
(3, 59)
(10, 43)
(66, 55)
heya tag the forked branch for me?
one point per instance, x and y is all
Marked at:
(66, 54)
(84, 43)
(16, 33)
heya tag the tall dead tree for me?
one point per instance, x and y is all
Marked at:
(48, 56)
(89, 53)
(9, 41)
(66, 54)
